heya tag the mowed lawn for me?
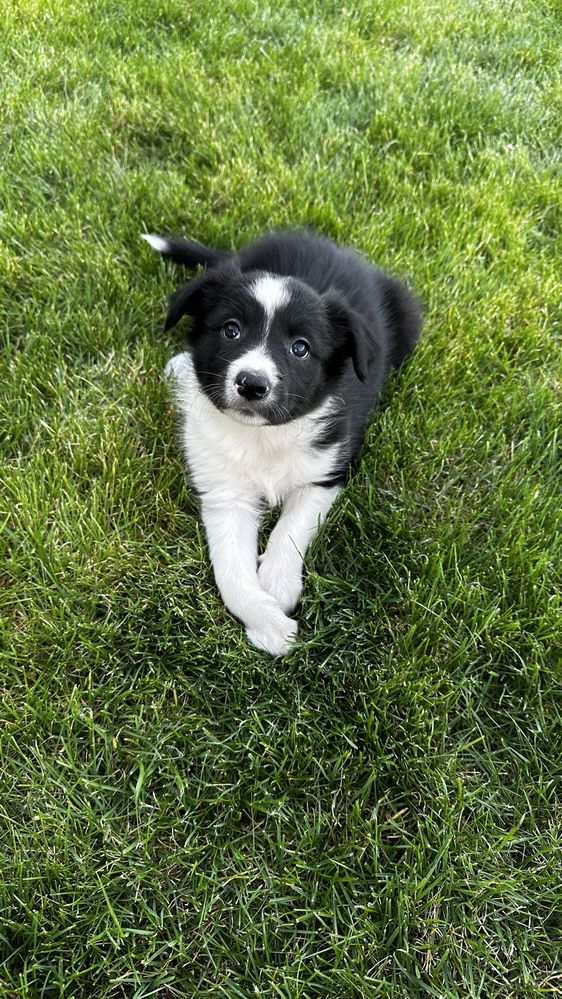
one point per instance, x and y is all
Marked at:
(378, 814)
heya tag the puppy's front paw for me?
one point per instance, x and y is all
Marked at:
(275, 635)
(282, 580)
(177, 368)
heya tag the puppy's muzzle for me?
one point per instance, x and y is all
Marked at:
(252, 385)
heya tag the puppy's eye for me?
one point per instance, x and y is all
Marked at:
(231, 330)
(300, 348)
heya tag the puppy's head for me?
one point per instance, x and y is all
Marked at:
(267, 349)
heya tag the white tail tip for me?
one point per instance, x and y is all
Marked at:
(156, 242)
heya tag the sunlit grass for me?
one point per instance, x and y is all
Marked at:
(378, 814)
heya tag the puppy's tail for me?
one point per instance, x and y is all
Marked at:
(186, 251)
(406, 318)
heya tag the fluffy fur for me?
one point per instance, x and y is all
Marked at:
(290, 343)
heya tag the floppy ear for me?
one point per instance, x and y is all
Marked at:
(192, 298)
(185, 301)
(352, 330)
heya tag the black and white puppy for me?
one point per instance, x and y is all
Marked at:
(290, 344)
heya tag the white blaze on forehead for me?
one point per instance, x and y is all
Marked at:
(271, 292)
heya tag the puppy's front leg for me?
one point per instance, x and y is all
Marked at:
(232, 535)
(280, 571)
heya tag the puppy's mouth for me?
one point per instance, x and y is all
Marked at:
(254, 412)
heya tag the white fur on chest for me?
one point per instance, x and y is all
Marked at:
(240, 461)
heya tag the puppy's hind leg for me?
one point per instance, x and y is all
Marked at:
(405, 314)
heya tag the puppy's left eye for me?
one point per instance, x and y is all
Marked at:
(231, 330)
(300, 348)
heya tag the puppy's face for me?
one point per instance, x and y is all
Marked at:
(266, 349)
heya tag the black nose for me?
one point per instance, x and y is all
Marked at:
(252, 385)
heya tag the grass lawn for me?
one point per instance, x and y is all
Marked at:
(378, 814)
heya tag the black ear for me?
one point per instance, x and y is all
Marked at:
(352, 331)
(185, 301)
(193, 297)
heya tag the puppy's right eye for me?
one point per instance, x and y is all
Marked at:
(231, 330)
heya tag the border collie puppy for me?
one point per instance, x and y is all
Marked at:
(290, 343)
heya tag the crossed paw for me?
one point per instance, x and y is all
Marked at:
(282, 580)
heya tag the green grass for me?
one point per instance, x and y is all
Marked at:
(377, 815)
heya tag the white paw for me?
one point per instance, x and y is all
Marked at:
(275, 636)
(281, 580)
(177, 368)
